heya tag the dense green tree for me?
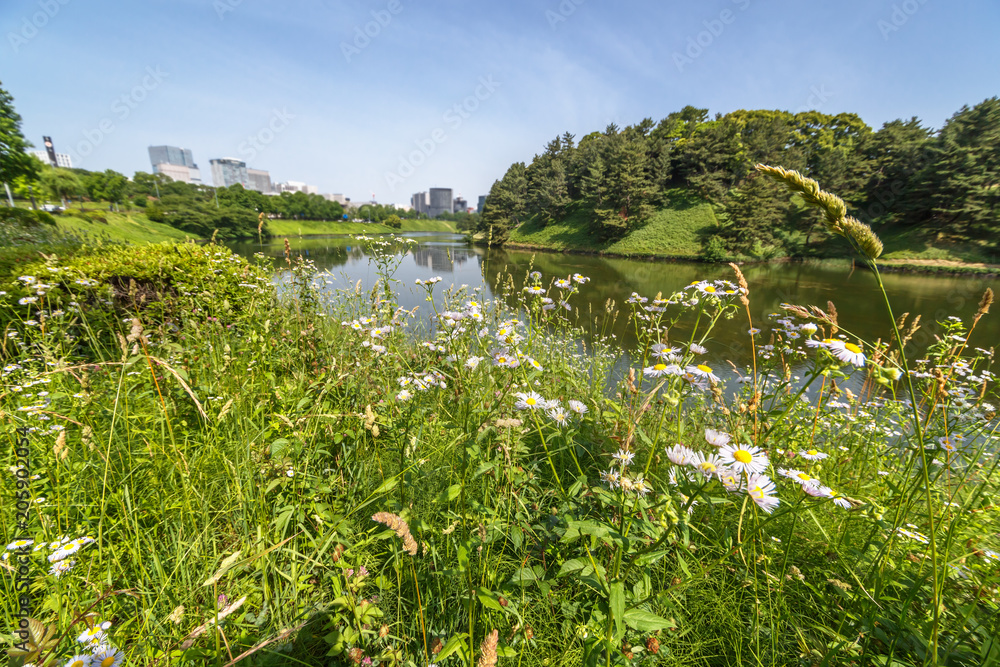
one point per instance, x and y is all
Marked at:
(548, 188)
(958, 192)
(756, 211)
(14, 161)
(506, 204)
(61, 184)
(109, 186)
(893, 157)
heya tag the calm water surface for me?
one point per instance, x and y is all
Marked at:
(853, 291)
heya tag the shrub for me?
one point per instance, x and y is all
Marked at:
(714, 249)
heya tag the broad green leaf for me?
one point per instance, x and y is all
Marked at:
(646, 621)
(616, 603)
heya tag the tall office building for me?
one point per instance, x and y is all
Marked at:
(260, 180)
(482, 204)
(440, 201)
(177, 163)
(171, 155)
(460, 206)
(419, 202)
(229, 171)
(62, 159)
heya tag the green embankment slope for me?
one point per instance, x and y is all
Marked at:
(130, 227)
(678, 230)
(674, 231)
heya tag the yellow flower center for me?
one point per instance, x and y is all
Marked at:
(757, 492)
(804, 477)
(743, 456)
(502, 360)
(704, 369)
(851, 347)
(710, 289)
(660, 367)
(76, 663)
(829, 340)
(530, 401)
(812, 452)
(108, 661)
(708, 466)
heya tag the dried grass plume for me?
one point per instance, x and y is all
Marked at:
(402, 530)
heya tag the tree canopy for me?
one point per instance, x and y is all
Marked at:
(947, 182)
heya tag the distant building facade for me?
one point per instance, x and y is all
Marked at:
(419, 202)
(178, 172)
(440, 201)
(340, 199)
(460, 205)
(482, 204)
(229, 171)
(259, 180)
(62, 159)
(171, 155)
(296, 186)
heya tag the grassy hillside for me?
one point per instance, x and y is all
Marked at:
(135, 227)
(674, 231)
(677, 231)
(131, 227)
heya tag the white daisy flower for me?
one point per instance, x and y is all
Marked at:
(92, 637)
(744, 458)
(61, 568)
(19, 544)
(708, 465)
(681, 455)
(108, 656)
(659, 370)
(577, 407)
(849, 353)
(799, 477)
(813, 455)
(529, 401)
(702, 372)
(404, 395)
(761, 489)
(624, 457)
(697, 349)
(559, 416)
(717, 438)
(612, 478)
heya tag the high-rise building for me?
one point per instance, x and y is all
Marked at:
(177, 163)
(482, 204)
(171, 155)
(340, 199)
(440, 201)
(229, 171)
(419, 202)
(260, 180)
(62, 159)
(460, 205)
(178, 172)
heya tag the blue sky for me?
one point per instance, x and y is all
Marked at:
(291, 87)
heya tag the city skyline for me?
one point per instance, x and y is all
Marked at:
(345, 94)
